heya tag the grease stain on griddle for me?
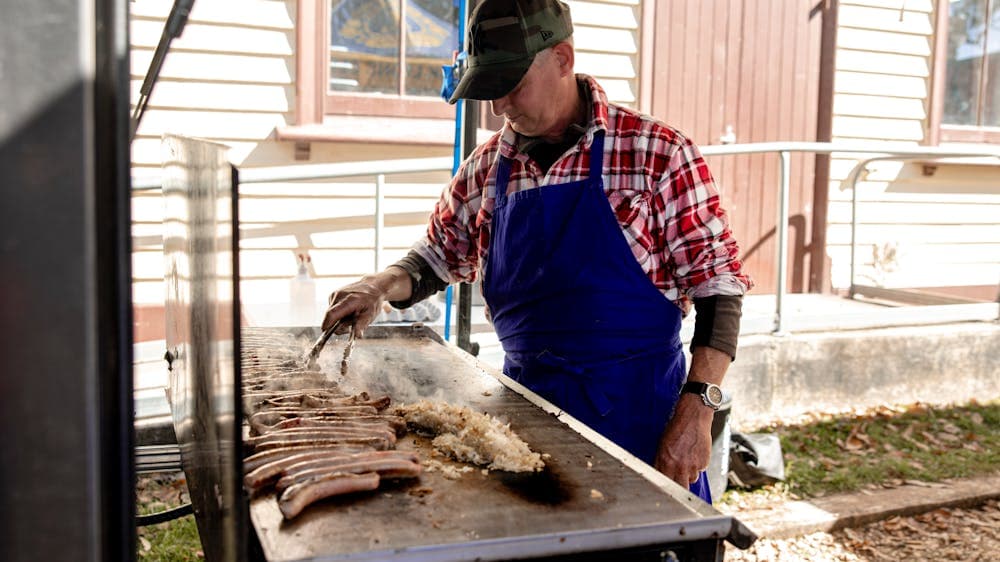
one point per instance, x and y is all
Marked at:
(544, 487)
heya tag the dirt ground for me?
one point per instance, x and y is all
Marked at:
(943, 534)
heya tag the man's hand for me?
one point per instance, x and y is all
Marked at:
(686, 443)
(360, 302)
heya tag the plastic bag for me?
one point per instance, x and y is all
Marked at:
(755, 459)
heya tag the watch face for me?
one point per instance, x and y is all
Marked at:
(714, 394)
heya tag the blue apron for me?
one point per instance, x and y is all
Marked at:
(580, 322)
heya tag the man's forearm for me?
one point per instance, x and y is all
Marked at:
(423, 281)
(708, 365)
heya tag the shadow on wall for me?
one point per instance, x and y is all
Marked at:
(798, 265)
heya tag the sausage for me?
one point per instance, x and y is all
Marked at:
(271, 471)
(277, 413)
(296, 497)
(321, 422)
(398, 467)
(313, 401)
(322, 433)
(379, 443)
(259, 459)
(261, 421)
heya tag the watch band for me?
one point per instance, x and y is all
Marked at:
(705, 391)
(692, 387)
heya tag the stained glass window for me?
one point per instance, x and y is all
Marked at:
(366, 49)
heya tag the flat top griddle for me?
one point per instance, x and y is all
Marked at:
(586, 499)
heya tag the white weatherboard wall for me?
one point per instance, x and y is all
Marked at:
(606, 38)
(915, 230)
(231, 78)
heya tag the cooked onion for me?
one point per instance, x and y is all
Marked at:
(472, 437)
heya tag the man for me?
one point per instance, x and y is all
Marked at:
(593, 228)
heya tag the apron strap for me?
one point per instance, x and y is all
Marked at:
(503, 176)
(504, 165)
(597, 155)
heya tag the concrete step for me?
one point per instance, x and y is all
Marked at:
(830, 513)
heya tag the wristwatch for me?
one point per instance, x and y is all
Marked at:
(710, 393)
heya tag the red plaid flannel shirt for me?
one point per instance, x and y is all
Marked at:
(657, 184)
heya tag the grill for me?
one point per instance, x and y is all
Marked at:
(593, 501)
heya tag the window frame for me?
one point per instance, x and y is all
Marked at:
(314, 101)
(938, 131)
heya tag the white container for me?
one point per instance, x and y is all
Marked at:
(302, 294)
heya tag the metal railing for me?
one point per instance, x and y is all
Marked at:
(784, 150)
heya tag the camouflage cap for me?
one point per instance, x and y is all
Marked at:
(504, 37)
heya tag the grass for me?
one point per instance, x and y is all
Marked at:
(887, 447)
(172, 541)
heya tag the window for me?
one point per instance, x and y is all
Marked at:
(374, 57)
(972, 90)
(968, 86)
(366, 53)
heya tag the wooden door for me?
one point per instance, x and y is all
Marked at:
(751, 67)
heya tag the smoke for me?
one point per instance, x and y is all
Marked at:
(405, 369)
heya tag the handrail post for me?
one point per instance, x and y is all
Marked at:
(856, 173)
(379, 220)
(779, 293)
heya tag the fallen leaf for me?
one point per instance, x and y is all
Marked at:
(908, 436)
(892, 523)
(951, 428)
(852, 535)
(853, 444)
(976, 418)
(596, 494)
(931, 438)
(146, 546)
(950, 437)
(828, 463)
(923, 484)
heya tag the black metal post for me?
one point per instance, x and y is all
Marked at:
(470, 124)
(65, 283)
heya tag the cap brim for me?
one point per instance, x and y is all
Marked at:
(490, 81)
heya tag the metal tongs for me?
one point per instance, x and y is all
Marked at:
(312, 360)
